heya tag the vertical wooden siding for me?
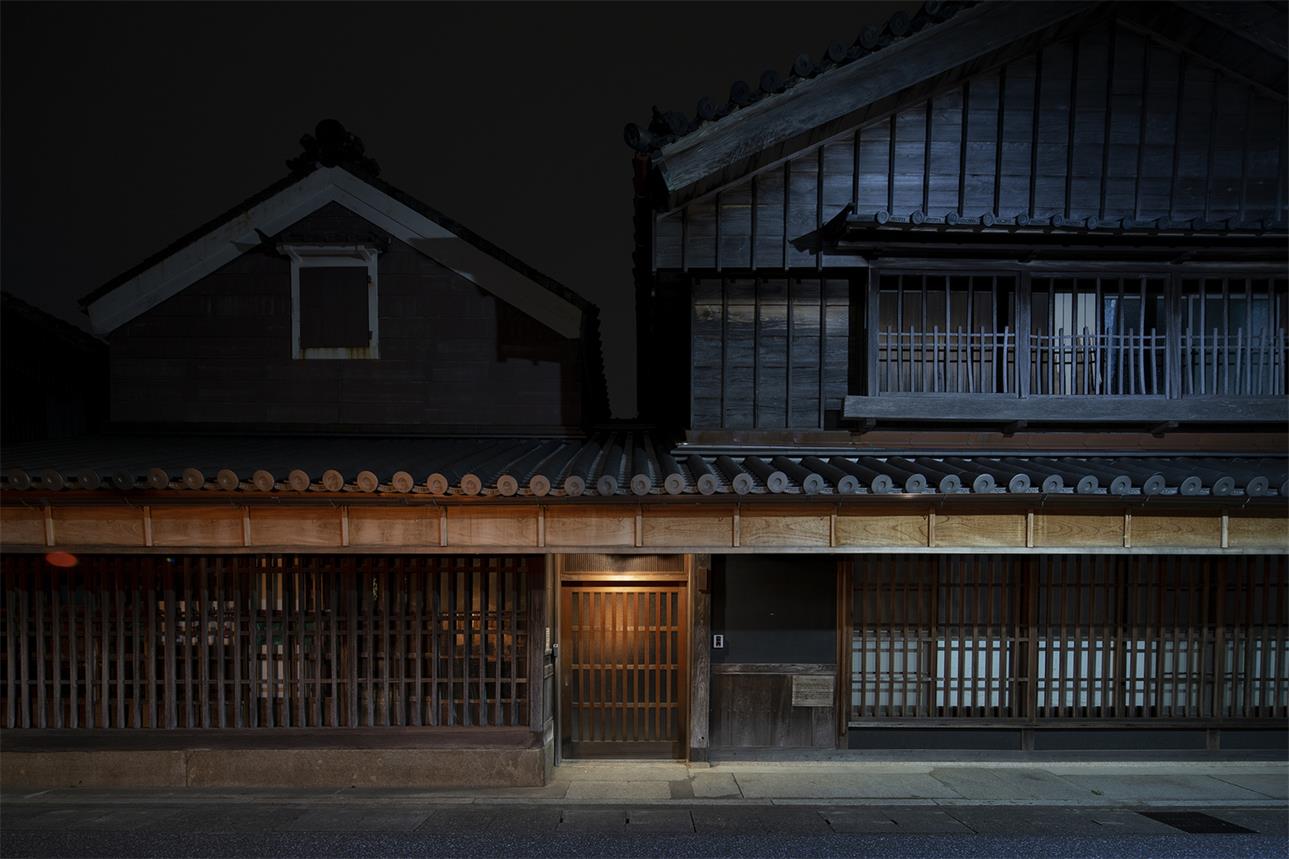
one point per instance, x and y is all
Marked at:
(769, 353)
(1070, 638)
(1107, 124)
(265, 641)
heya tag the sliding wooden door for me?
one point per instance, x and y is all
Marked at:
(623, 647)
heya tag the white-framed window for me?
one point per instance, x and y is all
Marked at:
(334, 301)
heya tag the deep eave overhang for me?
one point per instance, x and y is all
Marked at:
(817, 109)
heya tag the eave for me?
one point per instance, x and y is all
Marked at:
(817, 109)
(910, 524)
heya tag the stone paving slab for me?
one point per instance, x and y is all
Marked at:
(841, 784)
(1129, 823)
(598, 790)
(742, 819)
(896, 821)
(232, 818)
(660, 820)
(1173, 786)
(1026, 821)
(711, 785)
(362, 819)
(971, 783)
(1273, 785)
(503, 820)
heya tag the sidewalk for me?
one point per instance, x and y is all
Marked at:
(1250, 784)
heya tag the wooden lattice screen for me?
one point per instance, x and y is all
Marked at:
(1078, 637)
(264, 641)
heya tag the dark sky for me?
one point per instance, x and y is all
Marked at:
(123, 126)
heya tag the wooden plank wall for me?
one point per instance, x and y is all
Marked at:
(752, 707)
(769, 353)
(1106, 124)
(1070, 638)
(266, 641)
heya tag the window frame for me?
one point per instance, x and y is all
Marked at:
(335, 256)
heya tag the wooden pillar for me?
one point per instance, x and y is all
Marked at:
(700, 663)
(845, 624)
(540, 720)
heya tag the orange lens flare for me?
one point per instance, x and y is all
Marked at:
(61, 559)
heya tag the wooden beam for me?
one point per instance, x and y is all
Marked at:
(851, 526)
(700, 601)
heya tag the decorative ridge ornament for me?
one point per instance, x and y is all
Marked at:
(332, 145)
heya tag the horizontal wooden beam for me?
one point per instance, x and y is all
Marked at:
(643, 528)
(1003, 408)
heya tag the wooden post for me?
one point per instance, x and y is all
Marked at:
(1022, 334)
(870, 322)
(700, 605)
(845, 595)
(540, 694)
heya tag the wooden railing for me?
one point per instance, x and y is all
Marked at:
(1241, 365)
(1121, 364)
(948, 362)
(1126, 363)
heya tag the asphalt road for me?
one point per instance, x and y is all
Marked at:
(276, 844)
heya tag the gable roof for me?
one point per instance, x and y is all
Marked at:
(352, 183)
(911, 57)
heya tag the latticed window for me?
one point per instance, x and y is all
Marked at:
(1070, 637)
(266, 641)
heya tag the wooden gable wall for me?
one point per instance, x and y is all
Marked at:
(451, 354)
(1107, 124)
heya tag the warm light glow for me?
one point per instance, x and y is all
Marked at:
(61, 559)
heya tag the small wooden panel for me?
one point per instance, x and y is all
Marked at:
(881, 530)
(577, 525)
(784, 526)
(196, 526)
(757, 711)
(954, 529)
(98, 526)
(22, 526)
(295, 526)
(492, 526)
(693, 526)
(1061, 530)
(1176, 531)
(1248, 532)
(401, 526)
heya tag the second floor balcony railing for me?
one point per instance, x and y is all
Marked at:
(1124, 363)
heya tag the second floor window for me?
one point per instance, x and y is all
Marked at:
(334, 302)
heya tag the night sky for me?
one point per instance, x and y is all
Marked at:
(124, 126)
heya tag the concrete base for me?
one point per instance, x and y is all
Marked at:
(283, 758)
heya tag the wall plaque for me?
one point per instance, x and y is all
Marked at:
(813, 690)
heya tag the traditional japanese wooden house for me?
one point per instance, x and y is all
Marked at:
(963, 347)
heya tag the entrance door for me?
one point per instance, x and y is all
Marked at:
(623, 650)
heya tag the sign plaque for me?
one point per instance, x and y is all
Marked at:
(812, 690)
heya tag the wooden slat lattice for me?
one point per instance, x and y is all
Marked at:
(265, 641)
(1070, 637)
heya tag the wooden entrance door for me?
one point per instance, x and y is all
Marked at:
(623, 648)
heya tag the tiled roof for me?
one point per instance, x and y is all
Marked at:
(667, 126)
(627, 462)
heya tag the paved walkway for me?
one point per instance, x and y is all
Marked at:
(1251, 784)
(621, 809)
